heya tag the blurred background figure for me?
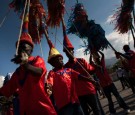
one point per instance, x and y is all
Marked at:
(121, 77)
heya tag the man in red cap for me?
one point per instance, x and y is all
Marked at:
(107, 83)
(85, 90)
(62, 80)
(29, 79)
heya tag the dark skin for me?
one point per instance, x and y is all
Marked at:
(58, 64)
(70, 55)
(126, 49)
(26, 49)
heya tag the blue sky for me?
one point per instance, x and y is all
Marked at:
(98, 10)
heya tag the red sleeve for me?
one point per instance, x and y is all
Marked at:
(50, 78)
(103, 62)
(74, 74)
(40, 63)
(10, 87)
(86, 65)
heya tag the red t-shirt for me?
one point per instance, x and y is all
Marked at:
(131, 62)
(63, 86)
(33, 99)
(82, 87)
(102, 74)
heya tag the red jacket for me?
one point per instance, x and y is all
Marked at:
(82, 87)
(63, 86)
(131, 62)
(33, 99)
(102, 74)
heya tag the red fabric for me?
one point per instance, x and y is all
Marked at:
(63, 86)
(25, 37)
(103, 75)
(10, 111)
(131, 62)
(33, 98)
(67, 43)
(82, 87)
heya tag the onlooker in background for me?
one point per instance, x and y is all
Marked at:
(107, 83)
(128, 61)
(119, 72)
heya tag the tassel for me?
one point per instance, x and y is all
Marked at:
(36, 15)
(55, 12)
(74, 22)
(123, 16)
(93, 33)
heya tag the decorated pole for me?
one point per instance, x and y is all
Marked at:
(123, 18)
(79, 24)
(25, 13)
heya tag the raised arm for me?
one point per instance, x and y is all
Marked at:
(90, 59)
(124, 55)
(101, 53)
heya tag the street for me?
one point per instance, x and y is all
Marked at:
(126, 94)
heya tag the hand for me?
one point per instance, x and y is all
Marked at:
(48, 89)
(49, 92)
(16, 59)
(117, 54)
(24, 58)
(97, 85)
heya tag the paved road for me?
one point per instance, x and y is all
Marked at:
(127, 95)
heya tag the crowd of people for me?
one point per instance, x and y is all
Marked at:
(70, 89)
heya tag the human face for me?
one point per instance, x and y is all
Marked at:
(24, 47)
(58, 62)
(70, 53)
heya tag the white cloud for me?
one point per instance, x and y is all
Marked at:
(117, 40)
(1, 80)
(79, 53)
(110, 19)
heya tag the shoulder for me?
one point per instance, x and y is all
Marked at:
(38, 58)
(51, 72)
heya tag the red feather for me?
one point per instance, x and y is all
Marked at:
(55, 12)
(36, 14)
(123, 16)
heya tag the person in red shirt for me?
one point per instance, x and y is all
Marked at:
(107, 83)
(62, 80)
(128, 62)
(85, 90)
(29, 78)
